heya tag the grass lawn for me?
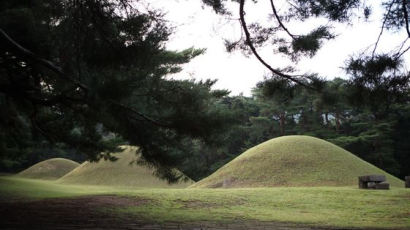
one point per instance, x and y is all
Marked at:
(316, 206)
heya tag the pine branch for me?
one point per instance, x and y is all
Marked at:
(253, 49)
(143, 116)
(30, 55)
(381, 30)
(275, 13)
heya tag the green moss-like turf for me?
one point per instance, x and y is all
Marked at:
(50, 169)
(122, 172)
(340, 207)
(293, 161)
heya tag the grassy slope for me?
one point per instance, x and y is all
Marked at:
(317, 206)
(293, 161)
(50, 169)
(11, 186)
(122, 172)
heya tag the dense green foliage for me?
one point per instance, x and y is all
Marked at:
(89, 75)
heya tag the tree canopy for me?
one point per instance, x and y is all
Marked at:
(284, 40)
(92, 74)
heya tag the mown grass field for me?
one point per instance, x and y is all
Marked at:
(310, 206)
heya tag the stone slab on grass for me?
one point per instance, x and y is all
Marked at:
(373, 178)
(373, 182)
(382, 185)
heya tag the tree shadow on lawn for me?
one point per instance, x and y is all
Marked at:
(66, 213)
(99, 212)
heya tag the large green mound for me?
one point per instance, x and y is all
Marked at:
(122, 172)
(293, 161)
(50, 169)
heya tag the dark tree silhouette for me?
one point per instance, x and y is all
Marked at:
(92, 74)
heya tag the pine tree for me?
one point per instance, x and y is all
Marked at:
(77, 72)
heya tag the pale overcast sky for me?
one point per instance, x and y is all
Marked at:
(198, 26)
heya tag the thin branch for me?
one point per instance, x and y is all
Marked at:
(402, 45)
(37, 127)
(48, 64)
(404, 51)
(146, 118)
(406, 17)
(294, 6)
(382, 29)
(399, 51)
(252, 47)
(280, 21)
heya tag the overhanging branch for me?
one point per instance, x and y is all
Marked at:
(143, 116)
(30, 55)
(253, 49)
(275, 13)
(381, 30)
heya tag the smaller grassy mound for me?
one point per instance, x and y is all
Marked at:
(293, 161)
(50, 169)
(122, 172)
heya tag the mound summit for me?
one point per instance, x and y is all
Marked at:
(50, 169)
(293, 161)
(122, 172)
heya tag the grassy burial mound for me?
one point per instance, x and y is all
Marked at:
(50, 169)
(293, 161)
(122, 172)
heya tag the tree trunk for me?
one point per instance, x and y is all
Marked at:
(282, 123)
(327, 118)
(337, 117)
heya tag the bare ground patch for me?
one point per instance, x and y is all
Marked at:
(201, 204)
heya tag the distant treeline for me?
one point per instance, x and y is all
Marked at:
(18, 159)
(375, 129)
(373, 122)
